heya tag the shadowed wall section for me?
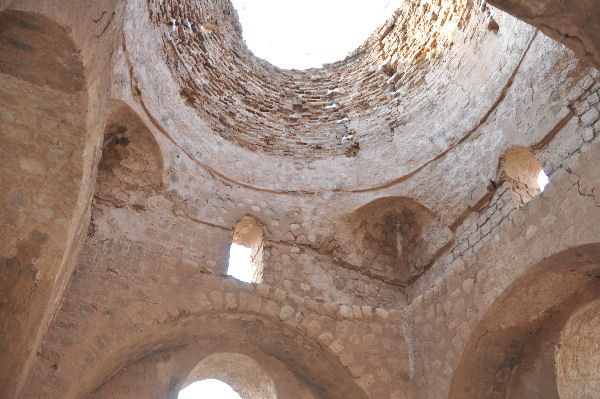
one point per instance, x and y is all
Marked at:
(574, 23)
(578, 354)
(511, 354)
(42, 131)
(130, 170)
(393, 238)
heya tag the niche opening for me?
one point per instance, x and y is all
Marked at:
(524, 173)
(210, 388)
(245, 255)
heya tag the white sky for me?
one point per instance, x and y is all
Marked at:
(302, 34)
(208, 389)
(240, 263)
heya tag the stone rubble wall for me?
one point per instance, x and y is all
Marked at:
(444, 316)
(568, 142)
(368, 342)
(297, 113)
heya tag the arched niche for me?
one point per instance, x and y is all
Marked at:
(43, 136)
(131, 158)
(131, 167)
(578, 354)
(520, 168)
(393, 237)
(237, 370)
(511, 353)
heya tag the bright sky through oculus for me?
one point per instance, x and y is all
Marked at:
(301, 34)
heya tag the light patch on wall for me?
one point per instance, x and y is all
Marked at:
(240, 263)
(542, 180)
(295, 34)
(208, 389)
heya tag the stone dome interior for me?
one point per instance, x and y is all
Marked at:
(365, 101)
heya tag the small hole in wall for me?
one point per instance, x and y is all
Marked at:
(210, 388)
(542, 180)
(245, 254)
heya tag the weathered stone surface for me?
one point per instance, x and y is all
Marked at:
(405, 249)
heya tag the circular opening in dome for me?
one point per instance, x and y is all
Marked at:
(305, 34)
(210, 388)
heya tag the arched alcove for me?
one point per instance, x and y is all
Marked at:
(511, 353)
(578, 355)
(246, 253)
(521, 170)
(130, 170)
(43, 132)
(131, 158)
(237, 370)
(392, 237)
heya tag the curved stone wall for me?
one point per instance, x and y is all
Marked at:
(578, 356)
(449, 38)
(43, 110)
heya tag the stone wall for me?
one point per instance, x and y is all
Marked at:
(43, 127)
(448, 313)
(128, 317)
(495, 203)
(572, 23)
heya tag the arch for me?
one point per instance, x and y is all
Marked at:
(511, 351)
(43, 120)
(578, 354)
(521, 169)
(248, 234)
(393, 237)
(210, 333)
(237, 370)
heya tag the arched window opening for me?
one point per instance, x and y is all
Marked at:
(542, 180)
(245, 255)
(210, 388)
(524, 174)
(235, 375)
